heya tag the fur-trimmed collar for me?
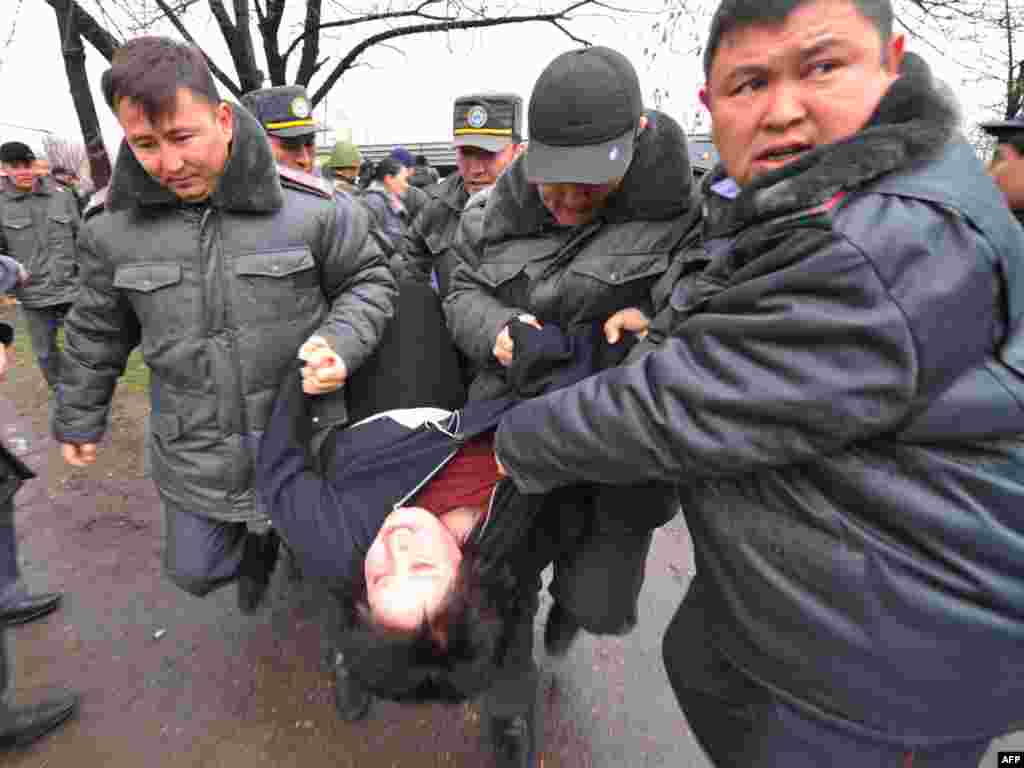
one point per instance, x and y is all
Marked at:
(911, 125)
(250, 182)
(656, 187)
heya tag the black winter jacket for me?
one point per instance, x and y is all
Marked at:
(839, 392)
(433, 231)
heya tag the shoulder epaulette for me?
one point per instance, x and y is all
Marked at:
(97, 203)
(305, 182)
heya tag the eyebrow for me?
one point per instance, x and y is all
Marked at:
(819, 46)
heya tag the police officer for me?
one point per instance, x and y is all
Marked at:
(224, 278)
(1007, 166)
(342, 167)
(487, 133)
(286, 115)
(40, 221)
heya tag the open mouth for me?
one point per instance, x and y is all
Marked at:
(784, 152)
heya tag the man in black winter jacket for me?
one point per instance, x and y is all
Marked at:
(835, 382)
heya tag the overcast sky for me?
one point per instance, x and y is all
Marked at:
(403, 97)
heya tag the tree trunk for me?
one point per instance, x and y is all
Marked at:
(74, 65)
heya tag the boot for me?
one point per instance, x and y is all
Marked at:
(258, 561)
(560, 630)
(351, 700)
(20, 726)
(512, 739)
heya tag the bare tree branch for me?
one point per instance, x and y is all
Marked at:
(90, 29)
(311, 48)
(443, 26)
(217, 72)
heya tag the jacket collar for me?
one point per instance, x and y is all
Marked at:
(656, 187)
(912, 124)
(44, 185)
(452, 192)
(250, 182)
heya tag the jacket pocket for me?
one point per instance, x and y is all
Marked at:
(161, 302)
(18, 231)
(596, 289)
(623, 268)
(61, 238)
(275, 285)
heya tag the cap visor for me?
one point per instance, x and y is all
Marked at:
(486, 143)
(595, 164)
(294, 132)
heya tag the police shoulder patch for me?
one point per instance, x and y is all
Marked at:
(305, 182)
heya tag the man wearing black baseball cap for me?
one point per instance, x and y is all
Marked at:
(581, 226)
(40, 221)
(1007, 166)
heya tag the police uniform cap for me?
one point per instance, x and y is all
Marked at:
(16, 152)
(490, 121)
(283, 111)
(1003, 129)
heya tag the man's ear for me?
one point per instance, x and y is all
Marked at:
(894, 51)
(702, 94)
(225, 116)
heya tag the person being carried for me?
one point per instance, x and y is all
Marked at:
(436, 566)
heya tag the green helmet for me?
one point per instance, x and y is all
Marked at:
(345, 155)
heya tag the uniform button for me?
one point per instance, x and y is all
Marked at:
(316, 419)
(276, 268)
(614, 276)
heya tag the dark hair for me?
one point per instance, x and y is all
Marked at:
(1014, 138)
(366, 172)
(739, 14)
(491, 596)
(150, 70)
(387, 166)
(422, 160)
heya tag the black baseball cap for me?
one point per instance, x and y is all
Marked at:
(1004, 128)
(584, 117)
(283, 111)
(16, 152)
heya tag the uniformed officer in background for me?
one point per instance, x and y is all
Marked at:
(286, 115)
(487, 133)
(1007, 166)
(40, 221)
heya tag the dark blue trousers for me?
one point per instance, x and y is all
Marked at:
(740, 724)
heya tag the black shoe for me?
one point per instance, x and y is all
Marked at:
(512, 740)
(351, 700)
(560, 631)
(20, 726)
(258, 561)
(29, 608)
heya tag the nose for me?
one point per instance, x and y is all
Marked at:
(170, 159)
(305, 158)
(786, 107)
